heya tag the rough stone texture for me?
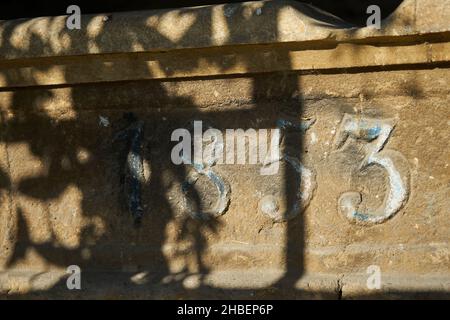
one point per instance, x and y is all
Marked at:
(61, 186)
(264, 22)
(6, 222)
(230, 39)
(214, 62)
(67, 172)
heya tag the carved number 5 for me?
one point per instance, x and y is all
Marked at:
(375, 132)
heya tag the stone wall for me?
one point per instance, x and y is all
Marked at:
(364, 175)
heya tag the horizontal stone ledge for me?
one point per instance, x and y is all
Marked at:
(214, 62)
(243, 283)
(265, 22)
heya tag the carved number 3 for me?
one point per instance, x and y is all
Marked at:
(375, 132)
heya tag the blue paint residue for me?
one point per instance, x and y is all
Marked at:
(373, 132)
(298, 126)
(360, 216)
